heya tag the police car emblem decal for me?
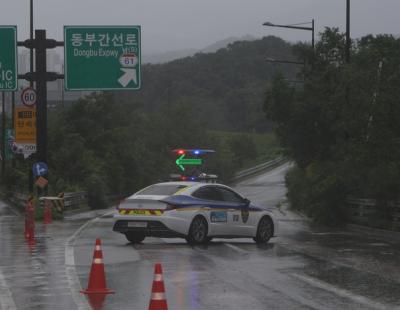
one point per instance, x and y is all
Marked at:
(245, 215)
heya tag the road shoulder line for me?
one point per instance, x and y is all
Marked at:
(6, 299)
(70, 270)
(365, 301)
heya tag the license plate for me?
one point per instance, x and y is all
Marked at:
(137, 224)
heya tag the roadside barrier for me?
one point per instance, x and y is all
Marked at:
(158, 300)
(29, 219)
(97, 287)
(259, 168)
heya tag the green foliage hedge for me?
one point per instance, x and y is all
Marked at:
(341, 128)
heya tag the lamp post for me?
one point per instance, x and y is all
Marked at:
(31, 37)
(296, 26)
(348, 42)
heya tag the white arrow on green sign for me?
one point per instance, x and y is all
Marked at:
(102, 57)
(8, 58)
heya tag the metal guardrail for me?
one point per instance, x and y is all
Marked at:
(75, 200)
(259, 168)
(72, 200)
(366, 212)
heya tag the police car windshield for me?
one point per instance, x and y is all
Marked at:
(164, 190)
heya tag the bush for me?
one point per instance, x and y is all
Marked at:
(318, 191)
(97, 190)
(243, 148)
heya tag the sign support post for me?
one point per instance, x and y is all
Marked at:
(41, 77)
(3, 135)
(41, 104)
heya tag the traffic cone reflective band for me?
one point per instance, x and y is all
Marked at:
(158, 300)
(97, 277)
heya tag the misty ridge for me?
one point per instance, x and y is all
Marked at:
(163, 57)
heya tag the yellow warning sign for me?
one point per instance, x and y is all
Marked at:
(25, 125)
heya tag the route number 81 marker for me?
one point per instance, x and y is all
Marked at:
(128, 60)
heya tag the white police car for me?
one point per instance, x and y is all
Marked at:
(195, 211)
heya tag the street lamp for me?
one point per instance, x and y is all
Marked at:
(296, 26)
(348, 41)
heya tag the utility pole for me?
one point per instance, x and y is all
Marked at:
(41, 77)
(348, 41)
(41, 101)
(3, 135)
(31, 37)
(13, 163)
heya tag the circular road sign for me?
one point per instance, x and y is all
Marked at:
(39, 169)
(28, 97)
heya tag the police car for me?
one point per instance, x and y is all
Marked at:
(195, 211)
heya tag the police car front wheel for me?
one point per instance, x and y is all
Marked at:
(198, 231)
(265, 230)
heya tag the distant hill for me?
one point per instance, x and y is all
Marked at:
(172, 55)
(224, 89)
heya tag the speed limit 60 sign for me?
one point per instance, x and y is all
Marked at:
(28, 97)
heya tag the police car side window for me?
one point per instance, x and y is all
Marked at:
(208, 193)
(229, 196)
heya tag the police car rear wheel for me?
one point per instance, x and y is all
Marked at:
(265, 230)
(134, 237)
(198, 231)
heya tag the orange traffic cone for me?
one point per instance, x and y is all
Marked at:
(158, 300)
(97, 277)
(29, 220)
(47, 216)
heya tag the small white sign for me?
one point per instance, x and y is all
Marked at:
(26, 149)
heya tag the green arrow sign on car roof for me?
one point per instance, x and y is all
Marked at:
(181, 161)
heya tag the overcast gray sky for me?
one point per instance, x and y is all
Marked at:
(178, 24)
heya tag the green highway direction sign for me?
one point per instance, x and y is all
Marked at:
(102, 57)
(8, 58)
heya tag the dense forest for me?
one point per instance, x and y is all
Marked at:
(342, 127)
(115, 143)
(225, 89)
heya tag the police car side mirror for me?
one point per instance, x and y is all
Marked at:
(246, 202)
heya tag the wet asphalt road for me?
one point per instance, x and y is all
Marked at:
(303, 268)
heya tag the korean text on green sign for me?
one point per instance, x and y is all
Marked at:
(102, 57)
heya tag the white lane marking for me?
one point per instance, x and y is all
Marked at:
(70, 270)
(368, 303)
(236, 248)
(6, 300)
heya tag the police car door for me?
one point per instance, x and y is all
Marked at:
(238, 213)
(215, 208)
